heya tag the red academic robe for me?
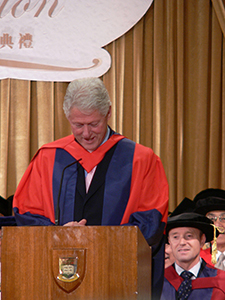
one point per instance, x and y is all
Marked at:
(208, 286)
(148, 189)
(135, 189)
(207, 256)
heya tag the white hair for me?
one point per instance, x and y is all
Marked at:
(87, 94)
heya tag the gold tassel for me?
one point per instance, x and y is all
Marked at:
(214, 245)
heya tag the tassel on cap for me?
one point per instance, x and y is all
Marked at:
(214, 244)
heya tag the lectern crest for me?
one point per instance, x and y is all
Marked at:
(68, 267)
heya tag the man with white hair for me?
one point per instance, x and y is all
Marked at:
(96, 176)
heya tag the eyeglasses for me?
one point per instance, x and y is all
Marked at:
(215, 218)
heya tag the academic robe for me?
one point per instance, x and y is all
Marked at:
(209, 285)
(134, 189)
(7, 221)
(207, 256)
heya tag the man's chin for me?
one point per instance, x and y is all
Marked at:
(221, 241)
(90, 149)
(90, 146)
(184, 256)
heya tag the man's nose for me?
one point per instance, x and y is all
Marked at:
(86, 131)
(182, 241)
(217, 222)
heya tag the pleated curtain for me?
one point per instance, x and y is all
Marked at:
(167, 87)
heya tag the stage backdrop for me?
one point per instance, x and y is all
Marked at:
(167, 86)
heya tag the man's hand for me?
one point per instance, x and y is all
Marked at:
(75, 223)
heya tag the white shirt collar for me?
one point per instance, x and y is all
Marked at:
(218, 253)
(194, 270)
(106, 136)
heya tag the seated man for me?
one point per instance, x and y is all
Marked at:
(186, 205)
(211, 203)
(190, 277)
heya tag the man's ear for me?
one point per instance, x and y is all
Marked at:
(109, 112)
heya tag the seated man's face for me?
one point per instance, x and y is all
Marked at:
(186, 243)
(218, 218)
(169, 258)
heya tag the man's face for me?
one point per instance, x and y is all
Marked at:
(186, 244)
(220, 222)
(169, 258)
(89, 128)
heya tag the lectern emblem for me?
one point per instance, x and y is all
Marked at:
(68, 267)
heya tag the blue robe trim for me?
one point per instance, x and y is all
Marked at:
(7, 221)
(29, 219)
(150, 225)
(116, 195)
(63, 159)
(152, 228)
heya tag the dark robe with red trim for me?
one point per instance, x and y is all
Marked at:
(209, 285)
(129, 187)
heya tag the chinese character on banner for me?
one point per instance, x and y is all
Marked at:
(25, 40)
(6, 40)
(36, 41)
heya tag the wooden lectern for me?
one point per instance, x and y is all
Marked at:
(82, 263)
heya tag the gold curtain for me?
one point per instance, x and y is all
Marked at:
(167, 86)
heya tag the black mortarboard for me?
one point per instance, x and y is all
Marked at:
(6, 206)
(186, 205)
(191, 219)
(209, 200)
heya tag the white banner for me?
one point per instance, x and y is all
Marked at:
(61, 40)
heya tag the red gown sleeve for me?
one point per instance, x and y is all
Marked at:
(34, 192)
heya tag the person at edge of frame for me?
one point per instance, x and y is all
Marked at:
(190, 277)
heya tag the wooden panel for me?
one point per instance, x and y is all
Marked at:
(117, 262)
